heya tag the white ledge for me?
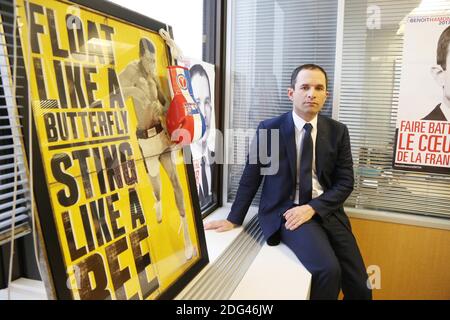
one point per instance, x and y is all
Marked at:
(275, 274)
(25, 289)
(400, 218)
(218, 242)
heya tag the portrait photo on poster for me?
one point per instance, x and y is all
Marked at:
(204, 151)
(423, 119)
(117, 205)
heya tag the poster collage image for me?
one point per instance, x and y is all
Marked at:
(123, 202)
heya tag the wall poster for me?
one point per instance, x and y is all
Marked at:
(204, 151)
(423, 120)
(116, 201)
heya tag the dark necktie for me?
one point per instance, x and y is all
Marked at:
(204, 179)
(306, 166)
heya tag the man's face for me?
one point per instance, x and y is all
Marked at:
(202, 96)
(309, 94)
(446, 80)
(442, 78)
(148, 61)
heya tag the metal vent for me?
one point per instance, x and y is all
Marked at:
(224, 275)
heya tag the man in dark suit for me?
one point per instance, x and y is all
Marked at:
(205, 187)
(302, 202)
(442, 76)
(201, 89)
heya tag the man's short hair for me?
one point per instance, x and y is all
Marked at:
(145, 45)
(309, 66)
(197, 69)
(442, 48)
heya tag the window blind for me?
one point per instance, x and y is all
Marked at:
(369, 94)
(267, 41)
(11, 150)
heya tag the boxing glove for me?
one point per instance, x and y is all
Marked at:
(185, 123)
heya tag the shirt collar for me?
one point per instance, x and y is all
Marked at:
(299, 122)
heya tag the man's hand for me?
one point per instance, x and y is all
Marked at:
(296, 216)
(219, 225)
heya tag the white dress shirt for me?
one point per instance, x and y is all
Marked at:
(317, 189)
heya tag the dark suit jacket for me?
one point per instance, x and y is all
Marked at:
(203, 189)
(334, 168)
(436, 114)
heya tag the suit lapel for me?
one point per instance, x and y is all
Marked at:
(438, 114)
(322, 146)
(288, 136)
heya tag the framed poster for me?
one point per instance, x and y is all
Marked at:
(204, 151)
(117, 203)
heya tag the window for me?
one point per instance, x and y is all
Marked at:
(185, 18)
(369, 92)
(267, 41)
(12, 159)
(13, 175)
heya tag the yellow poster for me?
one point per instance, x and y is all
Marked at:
(119, 189)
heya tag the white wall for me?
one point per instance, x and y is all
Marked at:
(185, 17)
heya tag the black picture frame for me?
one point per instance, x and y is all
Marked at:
(57, 270)
(215, 33)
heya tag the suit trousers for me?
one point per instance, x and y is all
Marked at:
(328, 250)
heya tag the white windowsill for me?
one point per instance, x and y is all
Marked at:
(386, 216)
(400, 218)
(25, 289)
(292, 280)
(218, 242)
